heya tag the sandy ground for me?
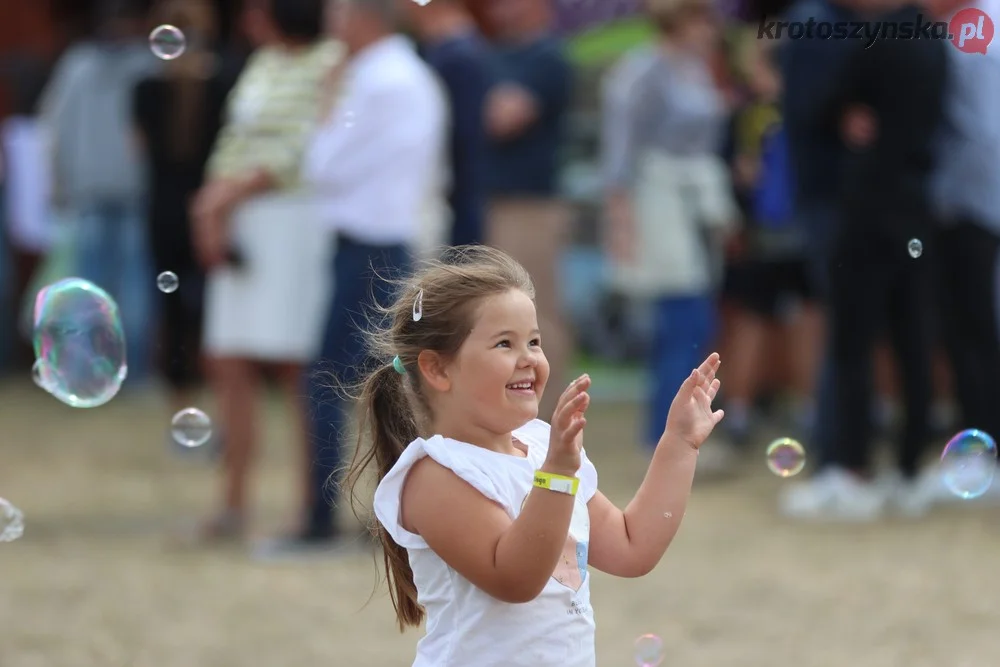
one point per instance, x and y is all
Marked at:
(95, 582)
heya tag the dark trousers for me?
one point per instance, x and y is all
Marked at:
(820, 220)
(876, 286)
(359, 270)
(970, 298)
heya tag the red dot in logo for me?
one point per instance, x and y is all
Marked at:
(971, 30)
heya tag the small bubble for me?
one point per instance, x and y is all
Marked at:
(786, 457)
(648, 651)
(191, 427)
(167, 42)
(167, 282)
(418, 306)
(667, 515)
(79, 343)
(915, 248)
(968, 464)
(11, 522)
(422, 3)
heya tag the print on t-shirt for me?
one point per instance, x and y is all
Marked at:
(571, 569)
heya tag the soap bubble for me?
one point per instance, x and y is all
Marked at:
(968, 463)
(786, 457)
(79, 343)
(915, 248)
(11, 522)
(167, 42)
(38, 374)
(648, 651)
(191, 427)
(167, 282)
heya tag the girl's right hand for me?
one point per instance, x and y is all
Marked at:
(566, 434)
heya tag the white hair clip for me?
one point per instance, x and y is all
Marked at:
(418, 306)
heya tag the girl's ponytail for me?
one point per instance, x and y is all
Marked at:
(388, 424)
(433, 311)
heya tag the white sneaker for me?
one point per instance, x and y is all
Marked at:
(932, 484)
(836, 495)
(909, 498)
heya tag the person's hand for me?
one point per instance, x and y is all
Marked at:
(211, 239)
(859, 127)
(510, 109)
(218, 198)
(691, 419)
(746, 170)
(566, 434)
(735, 245)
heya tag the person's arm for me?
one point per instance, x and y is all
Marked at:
(509, 560)
(512, 108)
(621, 118)
(630, 543)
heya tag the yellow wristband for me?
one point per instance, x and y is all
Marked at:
(558, 483)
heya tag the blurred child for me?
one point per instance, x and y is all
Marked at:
(769, 281)
(488, 516)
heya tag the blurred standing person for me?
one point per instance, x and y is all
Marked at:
(177, 117)
(809, 67)
(99, 172)
(669, 203)
(525, 114)
(770, 280)
(378, 159)
(257, 234)
(967, 196)
(452, 45)
(889, 102)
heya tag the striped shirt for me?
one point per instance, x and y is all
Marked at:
(272, 111)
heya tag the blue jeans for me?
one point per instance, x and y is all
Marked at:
(683, 328)
(342, 357)
(112, 252)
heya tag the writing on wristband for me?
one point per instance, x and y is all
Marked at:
(558, 483)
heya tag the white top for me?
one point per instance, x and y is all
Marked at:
(379, 160)
(466, 627)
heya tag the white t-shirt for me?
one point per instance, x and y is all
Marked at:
(466, 627)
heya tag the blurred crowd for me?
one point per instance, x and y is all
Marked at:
(823, 214)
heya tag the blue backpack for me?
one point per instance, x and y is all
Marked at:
(772, 198)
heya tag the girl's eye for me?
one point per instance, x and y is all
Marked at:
(503, 343)
(535, 342)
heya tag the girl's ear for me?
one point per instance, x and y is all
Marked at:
(434, 370)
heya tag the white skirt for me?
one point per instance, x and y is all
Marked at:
(274, 308)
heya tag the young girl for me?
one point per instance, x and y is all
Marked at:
(489, 517)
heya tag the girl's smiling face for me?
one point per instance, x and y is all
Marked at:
(496, 379)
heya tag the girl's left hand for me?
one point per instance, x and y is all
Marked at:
(691, 418)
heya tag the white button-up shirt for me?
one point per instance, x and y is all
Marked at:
(378, 162)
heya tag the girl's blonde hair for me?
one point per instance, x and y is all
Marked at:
(392, 409)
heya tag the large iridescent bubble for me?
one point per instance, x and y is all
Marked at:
(79, 343)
